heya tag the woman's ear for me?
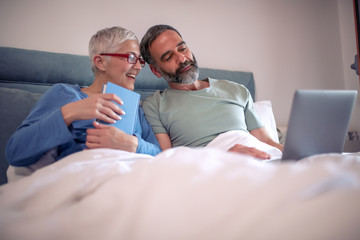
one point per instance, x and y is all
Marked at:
(99, 62)
(155, 70)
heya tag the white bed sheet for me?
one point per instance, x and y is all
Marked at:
(184, 193)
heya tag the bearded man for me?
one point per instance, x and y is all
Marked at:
(193, 112)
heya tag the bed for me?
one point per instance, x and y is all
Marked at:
(182, 193)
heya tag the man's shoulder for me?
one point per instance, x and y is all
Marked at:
(226, 83)
(230, 88)
(155, 96)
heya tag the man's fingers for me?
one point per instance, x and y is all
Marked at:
(259, 154)
(238, 148)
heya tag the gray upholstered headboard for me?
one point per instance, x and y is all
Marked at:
(26, 74)
(35, 71)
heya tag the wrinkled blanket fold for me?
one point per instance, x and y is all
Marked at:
(184, 193)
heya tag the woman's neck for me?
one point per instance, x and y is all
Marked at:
(95, 87)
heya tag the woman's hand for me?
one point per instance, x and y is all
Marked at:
(105, 136)
(97, 106)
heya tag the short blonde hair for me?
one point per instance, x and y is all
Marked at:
(107, 41)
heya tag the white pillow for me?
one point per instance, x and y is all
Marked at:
(264, 110)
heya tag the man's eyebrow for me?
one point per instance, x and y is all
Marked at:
(181, 43)
(167, 52)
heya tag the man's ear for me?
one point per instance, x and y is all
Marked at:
(155, 70)
(99, 62)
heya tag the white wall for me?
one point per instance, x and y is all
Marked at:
(348, 47)
(288, 44)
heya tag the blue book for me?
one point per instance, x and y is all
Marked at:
(131, 102)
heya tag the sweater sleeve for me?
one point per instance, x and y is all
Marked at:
(148, 143)
(43, 129)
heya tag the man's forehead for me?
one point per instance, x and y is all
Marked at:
(166, 41)
(166, 38)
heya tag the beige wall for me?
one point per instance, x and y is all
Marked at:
(288, 44)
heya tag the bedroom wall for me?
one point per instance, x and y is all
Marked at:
(288, 44)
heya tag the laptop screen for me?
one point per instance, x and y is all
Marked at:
(318, 123)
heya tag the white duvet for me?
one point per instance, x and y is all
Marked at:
(182, 194)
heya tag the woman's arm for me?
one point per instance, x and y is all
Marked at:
(143, 140)
(50, 122)
(43, 129)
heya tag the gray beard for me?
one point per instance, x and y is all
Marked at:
(187, 77)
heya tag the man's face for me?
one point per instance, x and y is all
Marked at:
(174, 61)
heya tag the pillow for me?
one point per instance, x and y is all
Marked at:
(264, 110)
(15, 104)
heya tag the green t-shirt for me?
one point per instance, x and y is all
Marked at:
(194, 118)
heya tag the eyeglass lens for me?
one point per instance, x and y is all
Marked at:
(133, 59)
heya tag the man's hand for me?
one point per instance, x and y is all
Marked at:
(239, 148)
(105, 136)
(263, 135)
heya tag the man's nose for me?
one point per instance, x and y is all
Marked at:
(180, 58)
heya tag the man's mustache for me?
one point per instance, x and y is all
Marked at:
(184, 65)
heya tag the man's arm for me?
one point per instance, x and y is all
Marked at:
(263, 135)
(164, 140)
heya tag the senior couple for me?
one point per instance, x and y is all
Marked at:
(188, 113)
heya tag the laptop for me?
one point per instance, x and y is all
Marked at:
(318, 123)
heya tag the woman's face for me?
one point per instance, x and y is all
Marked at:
(119, 71)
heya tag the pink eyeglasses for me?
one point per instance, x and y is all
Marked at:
(131, 58)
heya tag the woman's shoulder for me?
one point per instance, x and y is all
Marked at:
(62, 93)
(64, 89)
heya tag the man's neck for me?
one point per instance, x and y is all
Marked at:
(197, 85)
